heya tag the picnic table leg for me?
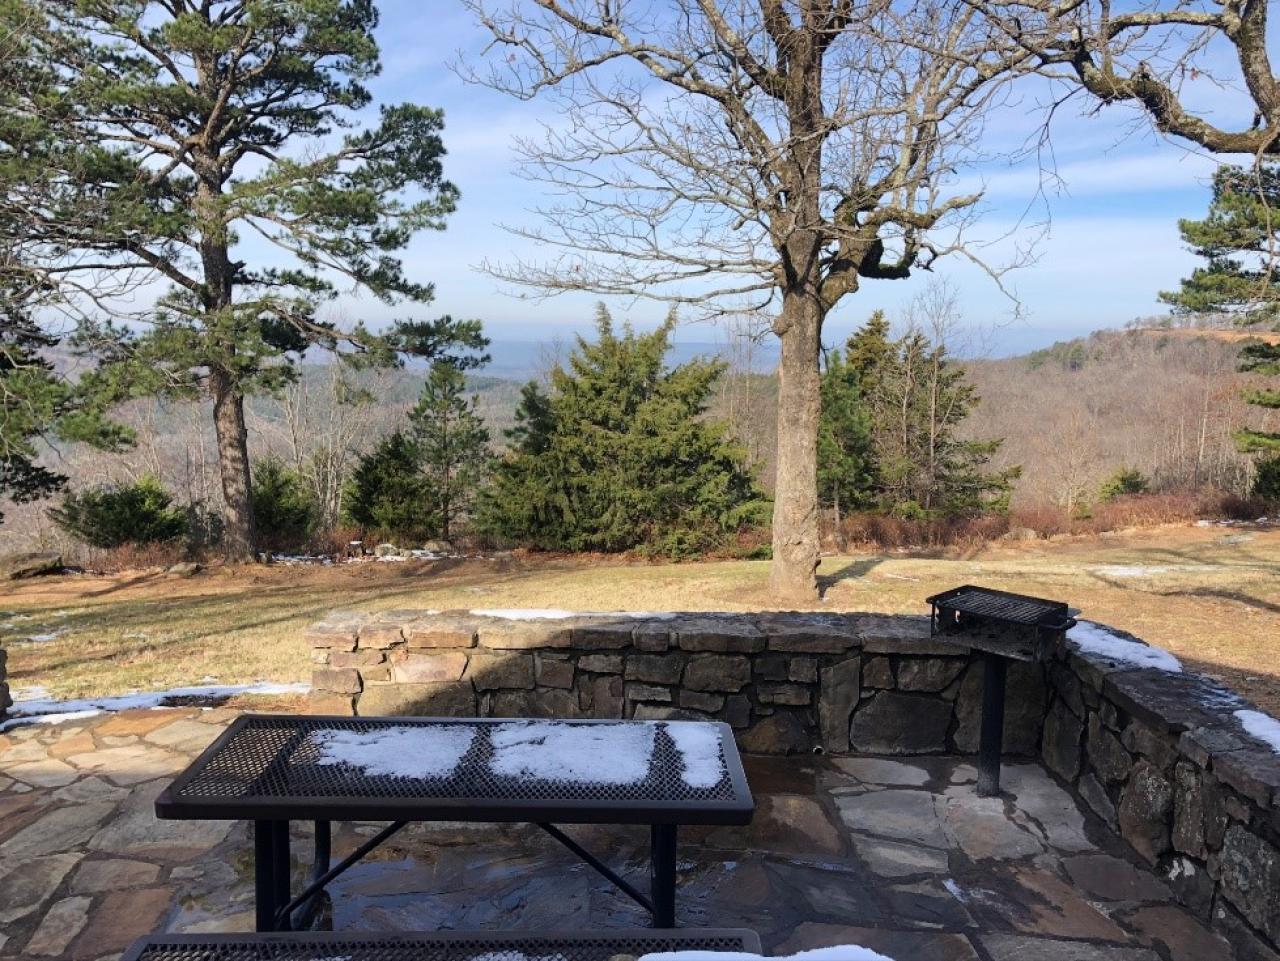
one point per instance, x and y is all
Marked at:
(663, 875)
(281, 873)
(264, 884)
(991, 745)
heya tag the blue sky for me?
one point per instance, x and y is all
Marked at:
(1110, 245)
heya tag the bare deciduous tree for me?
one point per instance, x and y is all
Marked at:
(1147, 54)
(737, 154)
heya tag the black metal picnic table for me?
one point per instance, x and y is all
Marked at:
(439, 946)
(268, 769)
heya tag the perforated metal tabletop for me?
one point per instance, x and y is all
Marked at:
(268, 766)
(495, 946)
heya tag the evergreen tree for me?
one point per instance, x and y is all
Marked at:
(846, 463)
(38, 405)
(618, 455)
(387, 495)
(898, 405)
(112, 516)
(452, 445)
(1240, 279)
(182, 127)
(283, 508)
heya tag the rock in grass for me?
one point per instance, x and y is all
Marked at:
(16, 566)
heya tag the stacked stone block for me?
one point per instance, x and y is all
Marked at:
(1159, 756)
(1162, 759)
(787, 682)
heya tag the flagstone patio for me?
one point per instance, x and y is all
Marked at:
(897, 855)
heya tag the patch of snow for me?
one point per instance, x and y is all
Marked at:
(1121, 570)
(31, 705)
(554, 614)
(698, 743)
(391, 559)
(1095, 639)
(411, 751)
(521, 614)
(845, 952)
(583, 753)
(41, 638)
(1180, 868)
(955, 890)
(517, 956)
(1262, 726)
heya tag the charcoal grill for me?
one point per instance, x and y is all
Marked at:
(1001, 626)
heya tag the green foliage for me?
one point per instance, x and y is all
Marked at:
(387, 495)
(1125, 482)
(168, 132)
(1266, 479)
(452, 445)
(108, 517)
(283, 508)
(38, 405)
(846, 461)
(418, 483)
(618, 455)
(890, 431)
(1069, 355)
(1237, 240)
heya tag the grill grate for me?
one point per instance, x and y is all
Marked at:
(999, 606)
(492, 948)
(270, 758)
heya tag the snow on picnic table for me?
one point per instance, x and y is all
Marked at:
(846, 952)
(607, 753)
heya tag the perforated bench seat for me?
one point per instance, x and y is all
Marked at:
(273, 769)
(444, 946)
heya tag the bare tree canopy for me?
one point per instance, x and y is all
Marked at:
(1179, 61)
(747, 153)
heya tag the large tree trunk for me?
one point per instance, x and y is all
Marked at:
(233, 461)
(793, 575)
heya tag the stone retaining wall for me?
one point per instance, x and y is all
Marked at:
(787, 682)
(1162, 758)
(1159, 755)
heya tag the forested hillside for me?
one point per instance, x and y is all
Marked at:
(1162, 402)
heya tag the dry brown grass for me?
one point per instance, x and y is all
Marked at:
(1211, 595)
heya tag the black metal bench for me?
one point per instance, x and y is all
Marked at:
(497, 946)
(269, 769)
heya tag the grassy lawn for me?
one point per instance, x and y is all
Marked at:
(1211, 595)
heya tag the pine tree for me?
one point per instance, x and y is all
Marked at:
(182, 128)
(452, 445)
(1240, 279)
(387, 495)
(619, 455)
(846, 462)
(38, 405)
(910, 399)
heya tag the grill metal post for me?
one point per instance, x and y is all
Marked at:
(663, 868)
(991, 745)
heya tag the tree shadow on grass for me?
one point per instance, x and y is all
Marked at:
(848, 572)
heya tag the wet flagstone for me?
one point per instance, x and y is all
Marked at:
(897, 854)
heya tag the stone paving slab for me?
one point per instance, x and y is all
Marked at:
(896, 854)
